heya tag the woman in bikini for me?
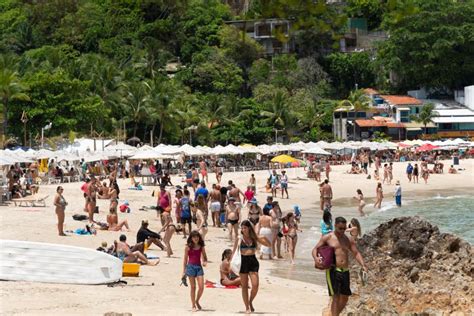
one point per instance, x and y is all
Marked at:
(249, 264)
(416, 173)
(112, 221)
(354, 229)
(199, 220)
(91, 199)
(425, 173)
(202, 206)
(60, 203)
(254, 211)
(360, 198)
(177, 203)
(227, 276)
(265, 230)
(233, 216)
(292, 236)
(379, 193)
(169, 228)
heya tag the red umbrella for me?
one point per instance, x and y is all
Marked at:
(427, 147)
(471, 151)
(402, 145)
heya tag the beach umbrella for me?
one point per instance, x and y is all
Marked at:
(404, 145)
(316, 151)
(284, 159)
(426, 147)
(150, 154)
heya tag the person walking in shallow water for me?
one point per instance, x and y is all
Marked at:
(379, 194)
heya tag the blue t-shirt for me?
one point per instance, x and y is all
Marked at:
(325, 228)
(409, 169)
(268, 207)
(201, 191)
(185, 209)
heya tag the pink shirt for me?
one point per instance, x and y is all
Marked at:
(194, 256)
(249, 195)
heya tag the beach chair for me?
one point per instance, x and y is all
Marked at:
(32, 201)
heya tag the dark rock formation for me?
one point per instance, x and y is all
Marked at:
(413, 269)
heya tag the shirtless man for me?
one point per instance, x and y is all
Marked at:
(337, 277)
(203, 169)
(215, 206)
(236, 193)
(328, 169)
(132, 254)
(232, 215)
(326, 192)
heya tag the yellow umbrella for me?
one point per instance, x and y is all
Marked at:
(284, 159)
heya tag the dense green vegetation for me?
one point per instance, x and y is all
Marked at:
(100, 65)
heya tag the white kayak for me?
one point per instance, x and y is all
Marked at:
(53, 263)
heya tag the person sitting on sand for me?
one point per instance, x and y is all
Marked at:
(227, 276)
(148, 236)
(452, 170)
(132, 254)
(112, 221)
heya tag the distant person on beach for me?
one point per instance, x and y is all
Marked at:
(265, 230)
(398, 194)
(409, 172)
(193, 268)
(145, 235)
(186, 212)
(132, 254)
(169, 228)
(164, 202)
(292, 235)
(276, 215)
(327, 169)
(215, 205)
(198, 217)
(195, 177)
(337, 276)
(425, 173)
(326, 223)
(60, 203)
(253, 183)
(379, 196)
(273, 182)
(254, 211)
(203, 170)
(415, 173)
(232, 216)
(228, 277)
(390, 173)
(385, 174)
(112, 221)
(249, 264)
(452, 170)
(360, 198)
(284, 184)
(326, 191)
(354, 229)
(91, 198)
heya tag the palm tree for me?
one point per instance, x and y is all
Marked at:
(357, 101)
(215, 108)
(161, 103)
(426, 115)
(278, 113)
(135, 100)
(11, 89)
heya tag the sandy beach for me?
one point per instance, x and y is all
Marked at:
(140, 297)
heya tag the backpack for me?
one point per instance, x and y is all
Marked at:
(185, 209)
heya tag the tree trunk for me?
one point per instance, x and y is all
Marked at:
(5, 119)
(135, 129)
(161, 132)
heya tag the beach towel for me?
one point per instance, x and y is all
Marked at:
(215, 285)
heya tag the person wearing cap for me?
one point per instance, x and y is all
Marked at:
(232, 217)
(254, 211)
(269, 205)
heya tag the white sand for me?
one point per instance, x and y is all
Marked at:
(276, 295)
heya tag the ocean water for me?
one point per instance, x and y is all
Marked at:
(452, 212)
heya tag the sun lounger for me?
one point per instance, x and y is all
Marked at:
(33, 201)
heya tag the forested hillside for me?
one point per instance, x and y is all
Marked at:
(176, 68)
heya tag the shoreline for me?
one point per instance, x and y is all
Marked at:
(167, 297)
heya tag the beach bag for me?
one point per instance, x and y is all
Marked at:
(236, 261)
(327, 253)
(79, 217)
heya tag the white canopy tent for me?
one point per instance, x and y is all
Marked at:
(316, 151)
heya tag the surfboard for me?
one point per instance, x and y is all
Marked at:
(53, 263)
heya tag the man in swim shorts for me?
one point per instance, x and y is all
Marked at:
(215, 205)
(337, 277)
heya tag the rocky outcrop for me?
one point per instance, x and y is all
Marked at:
(413, 269)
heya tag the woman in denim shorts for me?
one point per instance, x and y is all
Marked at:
(192, 267)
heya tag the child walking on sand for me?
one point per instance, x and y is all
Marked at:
(192, 267)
